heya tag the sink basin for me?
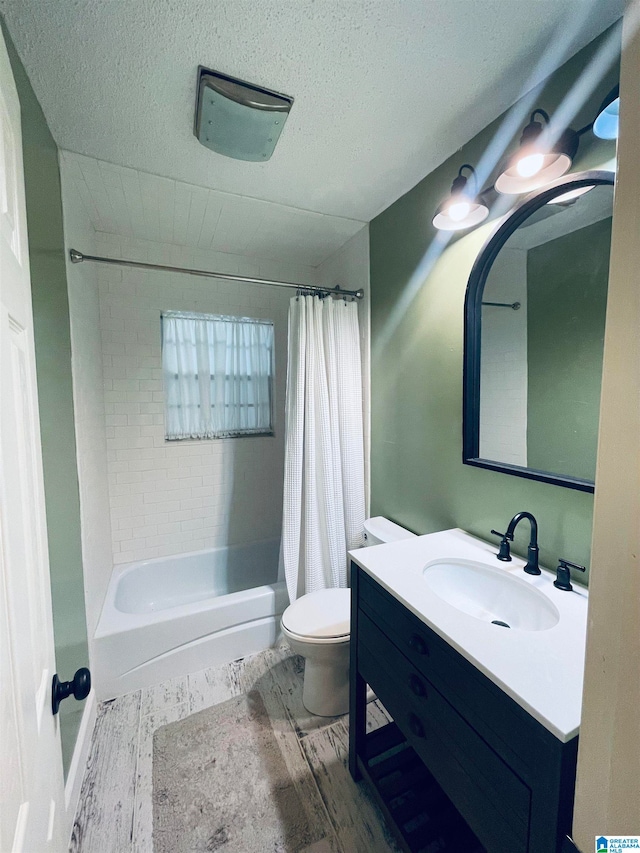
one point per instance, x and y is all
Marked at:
(491, 595)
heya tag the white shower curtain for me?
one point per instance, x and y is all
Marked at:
(324, 505)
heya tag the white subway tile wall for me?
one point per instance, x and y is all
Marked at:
(171, 497)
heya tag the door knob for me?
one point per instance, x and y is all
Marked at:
(79, 687)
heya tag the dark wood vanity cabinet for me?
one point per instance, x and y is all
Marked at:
(472, 749)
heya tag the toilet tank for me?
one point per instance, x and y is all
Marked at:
(379, 529)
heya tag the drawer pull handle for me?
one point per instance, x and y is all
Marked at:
(417, 686)
(418, 644)
(416, 726)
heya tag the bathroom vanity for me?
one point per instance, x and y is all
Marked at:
(482, 751)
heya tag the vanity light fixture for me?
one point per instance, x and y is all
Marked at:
(461, 209)
(606, 124)
(534, 165)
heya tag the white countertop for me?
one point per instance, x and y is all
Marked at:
(541, 670)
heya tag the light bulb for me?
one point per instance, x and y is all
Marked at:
(530, 165)
(459, 210)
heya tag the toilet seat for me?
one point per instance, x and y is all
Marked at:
(307, 642)
(320, 617)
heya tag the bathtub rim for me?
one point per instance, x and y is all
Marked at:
(114, 621)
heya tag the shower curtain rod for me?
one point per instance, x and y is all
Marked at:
(79, 257)
(514, 305)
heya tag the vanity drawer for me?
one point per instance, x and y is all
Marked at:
(520, 739)
(489, 795)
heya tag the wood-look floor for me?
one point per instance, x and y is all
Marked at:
(115, 814)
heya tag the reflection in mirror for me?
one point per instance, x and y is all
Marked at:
(540, 335)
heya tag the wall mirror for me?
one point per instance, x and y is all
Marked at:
(534, 335)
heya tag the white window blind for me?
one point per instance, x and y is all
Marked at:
(218, 375)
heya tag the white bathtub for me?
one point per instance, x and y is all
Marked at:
(170, 616)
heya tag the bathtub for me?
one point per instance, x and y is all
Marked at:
(166, 617)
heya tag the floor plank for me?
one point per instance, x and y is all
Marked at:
(171, 692)
(358, 823)
(104, 821)
(143, 812)
(255, 671)
(377, 716)
(212, 686)
(217, 684)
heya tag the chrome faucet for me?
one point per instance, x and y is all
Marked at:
(532, 567)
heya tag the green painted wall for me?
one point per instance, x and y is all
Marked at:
(418, 284)
(53, 365)
(567, 282)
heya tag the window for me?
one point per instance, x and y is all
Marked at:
(218, 375)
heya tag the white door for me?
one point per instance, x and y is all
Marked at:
(31, 777)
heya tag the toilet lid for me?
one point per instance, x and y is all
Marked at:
(320, 614)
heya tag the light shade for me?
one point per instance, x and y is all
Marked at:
(531, 167)
(606, 124)
(461, 209)
(570, 196)
(474, 215)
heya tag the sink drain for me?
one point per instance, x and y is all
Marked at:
(498, 622)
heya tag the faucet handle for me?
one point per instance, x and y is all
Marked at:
(563, 574)
(504, 553)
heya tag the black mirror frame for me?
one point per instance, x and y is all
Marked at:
(473, 330)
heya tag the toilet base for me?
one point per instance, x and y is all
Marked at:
(325, 692)
(326, 688)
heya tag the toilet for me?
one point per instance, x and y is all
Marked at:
(317, 626)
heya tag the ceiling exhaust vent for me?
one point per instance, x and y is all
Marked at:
(237, 119)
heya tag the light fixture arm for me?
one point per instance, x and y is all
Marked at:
(543, 113)
(533, 130)
(458, 184)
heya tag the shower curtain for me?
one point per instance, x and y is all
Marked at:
(324, 503)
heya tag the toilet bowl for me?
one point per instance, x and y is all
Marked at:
(317, 627)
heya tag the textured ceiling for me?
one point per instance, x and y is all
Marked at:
(384, 90)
